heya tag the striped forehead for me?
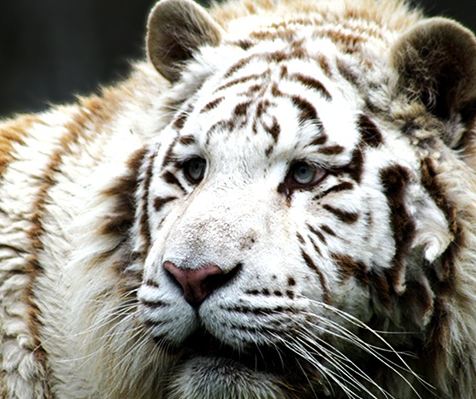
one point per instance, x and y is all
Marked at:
(276, 98)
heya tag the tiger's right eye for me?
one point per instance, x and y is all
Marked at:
(194, 169)
(305, 175)
(302, 175)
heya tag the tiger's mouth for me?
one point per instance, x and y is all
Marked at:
(258, 358)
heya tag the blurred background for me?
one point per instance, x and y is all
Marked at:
(51, 50)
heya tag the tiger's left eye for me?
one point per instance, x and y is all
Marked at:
(194, 169)
(303, 174)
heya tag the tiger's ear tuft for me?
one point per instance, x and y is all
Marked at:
(175, 29)
(436, 62)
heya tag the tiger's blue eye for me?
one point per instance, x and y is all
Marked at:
(303, 173)
(194, 169)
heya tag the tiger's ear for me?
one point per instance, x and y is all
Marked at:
(436, 62)
(175, 29)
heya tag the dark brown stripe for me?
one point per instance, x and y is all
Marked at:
(325, 228)
(273, 130)
(374, 108)
(349, 41)
(324, 64)
(316, 247)
(290, 294)
(307, 112)
(144, 218)
(136, 255)
(241, 109)
(261, 108)
(369, 132)
(12, 133)
(394, 181)
(220, 125)
(237, 81)
(169, 155)
(306, 109)
(159, 223)
(349, 267)
(437, 193)
(159, 202)
(243, 43)
(312, 83)
(300, 238)
(258, 310)
(253, 89)
(170, 178)
(369, 221)
(284, 34)
(123, 192)
(284, 189)
(154, 304)
(268, 151)
(347, 73)
(276, 56)
(238, 65)
(344, 186)
(212, 104)
(276, 92)
(317, 233)
(325, 290)
(331, 150)
(283, 72)
(343, 216)
(354, 168)
(254, 127)
(180, 120)
(295, 21)
(298, 51)
(187, 140)
(446, 273)
(152, 283)
(321, 139)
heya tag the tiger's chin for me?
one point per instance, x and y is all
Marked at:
(220, 377)
(209, 368)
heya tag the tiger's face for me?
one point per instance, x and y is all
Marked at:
(283, 217)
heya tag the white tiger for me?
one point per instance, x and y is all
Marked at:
(279, 204)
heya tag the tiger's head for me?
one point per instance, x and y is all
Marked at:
(299, 220)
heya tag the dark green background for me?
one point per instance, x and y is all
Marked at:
(53, 49)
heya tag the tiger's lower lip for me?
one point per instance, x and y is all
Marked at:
(266, 359)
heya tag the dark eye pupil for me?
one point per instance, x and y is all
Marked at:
(302, 171)
(195, 169)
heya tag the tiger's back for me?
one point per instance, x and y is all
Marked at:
(298, 192)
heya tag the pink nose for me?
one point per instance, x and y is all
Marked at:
(197, 284)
